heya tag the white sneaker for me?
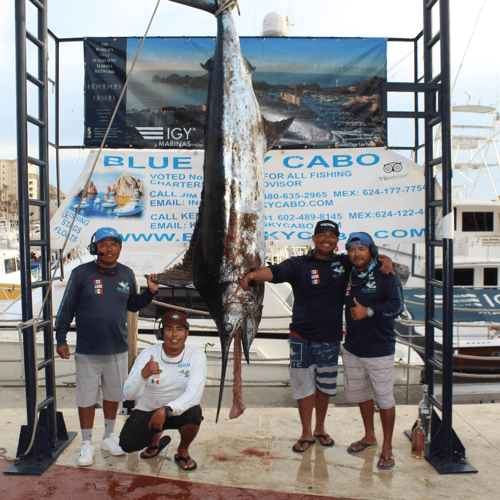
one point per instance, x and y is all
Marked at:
(112, 445)
(87, 453)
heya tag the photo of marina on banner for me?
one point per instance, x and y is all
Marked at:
(111, 195)
(331, 86)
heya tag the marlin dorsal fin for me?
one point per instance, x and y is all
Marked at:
(276, 130)
(181, 275)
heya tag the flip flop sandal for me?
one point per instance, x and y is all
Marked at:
(301, 443)
(384, 459)
(325, 437)
(360, 443)
(161, 445)
(179, 459)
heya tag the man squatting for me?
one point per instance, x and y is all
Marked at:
(170, 378)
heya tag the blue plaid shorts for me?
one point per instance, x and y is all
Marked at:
(313, 365)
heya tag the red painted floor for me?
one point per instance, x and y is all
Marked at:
(71, 483)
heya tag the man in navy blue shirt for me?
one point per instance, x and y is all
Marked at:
(317, 280)
(373, 300)
(98, 295)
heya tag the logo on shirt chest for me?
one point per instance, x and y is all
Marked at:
(338, 269)
(371, 285)
(123, 287)
(182, 372)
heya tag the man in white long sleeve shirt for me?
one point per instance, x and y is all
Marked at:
(169, 377)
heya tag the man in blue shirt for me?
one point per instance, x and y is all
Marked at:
(317, 280)
(98, 295)
(372, 302)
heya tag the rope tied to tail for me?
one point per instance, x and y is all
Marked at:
(227, 5)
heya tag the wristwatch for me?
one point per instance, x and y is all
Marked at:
(370, 312)
(168, 411)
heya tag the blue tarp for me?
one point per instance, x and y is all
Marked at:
(482, 303)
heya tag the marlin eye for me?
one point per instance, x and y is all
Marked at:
(228, 327)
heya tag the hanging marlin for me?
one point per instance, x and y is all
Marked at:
(228, 239)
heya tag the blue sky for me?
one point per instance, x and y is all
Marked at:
(348, 18)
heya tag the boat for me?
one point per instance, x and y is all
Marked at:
(476, 246)
(110, 201)
(84, 204)
(10, 276)
(130, 208)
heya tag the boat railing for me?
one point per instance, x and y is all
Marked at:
(277, 254)
(478, 247)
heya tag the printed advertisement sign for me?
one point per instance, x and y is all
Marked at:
(331, 86)
(152, 197)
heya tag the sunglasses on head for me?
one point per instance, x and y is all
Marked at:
(102, 271)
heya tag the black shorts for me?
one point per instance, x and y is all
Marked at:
(136, 436)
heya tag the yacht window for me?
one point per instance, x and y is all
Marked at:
(490, 276)
(477, 221)
(461, 277)
(10, 265)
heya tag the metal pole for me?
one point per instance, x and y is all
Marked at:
(445, 104)
(429, 196)
(22, 187)
(50, 382)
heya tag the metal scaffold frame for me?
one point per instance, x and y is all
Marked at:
(443, 448)
(45, 436)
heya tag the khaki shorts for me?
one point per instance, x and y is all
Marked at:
(94, 370)
(368, 378)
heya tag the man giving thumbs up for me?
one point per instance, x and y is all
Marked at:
(372, 302)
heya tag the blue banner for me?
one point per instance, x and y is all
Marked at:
(105, 66)
(331, 86)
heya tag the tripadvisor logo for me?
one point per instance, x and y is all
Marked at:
(392, 177)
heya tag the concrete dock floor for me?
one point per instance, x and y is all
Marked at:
(251, 457)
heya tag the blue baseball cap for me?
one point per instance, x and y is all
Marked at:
(364, 239)
(107, 232)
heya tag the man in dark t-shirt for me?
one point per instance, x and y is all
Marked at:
(373, 300)
(317, 280)
(98, 295)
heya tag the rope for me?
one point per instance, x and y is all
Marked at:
(227, 5)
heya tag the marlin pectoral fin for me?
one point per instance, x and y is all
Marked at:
(274, 131)
(248, 334)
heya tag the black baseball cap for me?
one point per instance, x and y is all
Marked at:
(328, 225)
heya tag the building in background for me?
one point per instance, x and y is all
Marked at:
(9, 191)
